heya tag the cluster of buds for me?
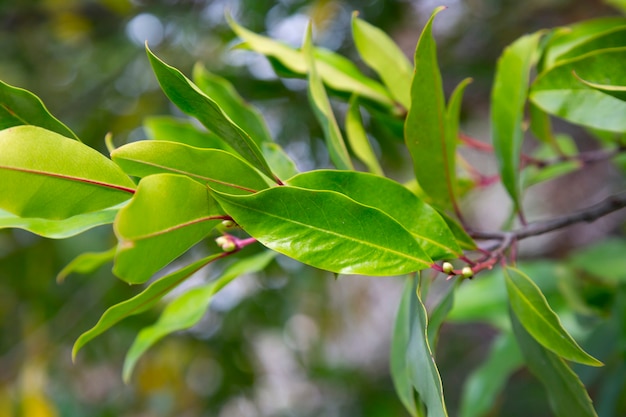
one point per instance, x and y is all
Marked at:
(448, 268)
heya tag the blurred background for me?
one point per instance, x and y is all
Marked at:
(291, 341)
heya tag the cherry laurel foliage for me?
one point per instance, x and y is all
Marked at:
(343, 221)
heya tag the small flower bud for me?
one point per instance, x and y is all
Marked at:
(467, 272)
(447, 267)
(228, 224)
(226, 244)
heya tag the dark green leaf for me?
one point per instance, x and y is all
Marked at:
(46, 175)
(183, 131)
(604, 260)
(425, 126)
(508, 97)
(221, 169)
(188, 309)
(327, 230)
(224, 94)
(323, 111)
(561, 92)
(381, 54)
(142, 301)
(391, 198)
(21, 107)
(86, 262)
(567, 395)
(485, 383)
(357, 138)
(532, 310)
(453, 116)
(192, 101)
(612, 38)
(439, 314)
(167, 215)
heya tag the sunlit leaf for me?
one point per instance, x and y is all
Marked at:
(486, 382)
(188, 309)
(508, 98)
(86, 262)
(281, 164)
(207, 166)
(192, 101)
(357, 138)
(183, 131)
(167, 215)
(561, 92)
(224, 94)
(59, 229)
(425, 126)
(567, 395)
(394, 200)
(46, 175)
(323, 111)
(612, 38)
(21, 107)
(532, 310)
(337, 72)
(382, 54)
(327, 230)
(142, 301)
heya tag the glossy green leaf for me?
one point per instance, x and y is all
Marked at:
(398, 351)
(508, 98)
(421, 366)
(612, 38)
(143, 301)
(357, 138)
(224, 94)
(192, 101)
(567, 38)
(58, 229)
(566, 394)
(337, 72)
(425, 125)
(46, 175)
(393, 199)
(281, 164)
(382, 54)
(561, 92)
(21, 107)
(617, 91)
(453, 116)
(188, 309)
(86, 262)
(219, 168)
(183, 131)
(323, 111)
(532, 310)
(327, 230)
(167, 216)
(485, 383)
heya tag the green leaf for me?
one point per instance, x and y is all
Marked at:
(58, 229)
(485, 383)
(532, 310)
(188, 309)
(568, 38)
(337, 72)
(219, 168)
(421, 366)
(567, 395)
(86, 262)
(612, 38)
(279, 161)
(604, 260)
(393, 199)
(425, 125)
(357, 138)
(440, 312)
(382, 54)
(192, 101)
(508, 97)
(327, 230)
(453, 116)
(21, 107)
(323, 111)
(566, 146)
(167, 216)
(561, 93)
(183, 131)
(46, 175)
(541, 126)
(224, 94)
(464, 240)
(142, 301)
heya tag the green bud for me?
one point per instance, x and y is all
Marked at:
(228, 224)
(226, 244)
(447, 267)
(467, 272)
